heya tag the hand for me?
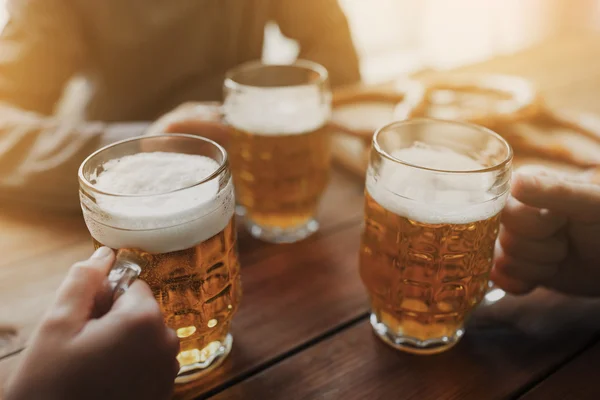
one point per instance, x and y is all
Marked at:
(202, 119)
(550, 234)
(80, 351)
(543, 312)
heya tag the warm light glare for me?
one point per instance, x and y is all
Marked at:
(494, 295)
(186, 331)
(3, 14)
(212, 323)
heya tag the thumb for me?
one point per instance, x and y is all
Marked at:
(573, 196)
(76, 298)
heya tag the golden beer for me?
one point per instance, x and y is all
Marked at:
(279, 148)
(171, 215)
(280, 178)
(198, 290)
(424, 279)
(434, 192)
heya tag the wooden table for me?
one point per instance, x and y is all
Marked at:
(302, 330)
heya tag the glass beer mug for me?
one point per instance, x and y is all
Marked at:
(166, 203)
(280, 146)
(434, 192)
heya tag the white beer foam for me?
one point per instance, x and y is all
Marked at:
(162, 219)
(435, 197)
(278, 111)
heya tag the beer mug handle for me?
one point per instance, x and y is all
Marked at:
(493, 294)
(127, 268)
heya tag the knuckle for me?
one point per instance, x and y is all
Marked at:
(56, 319)
(508, 242)
(561, 190)
(87, 270)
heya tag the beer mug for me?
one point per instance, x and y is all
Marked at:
(166, 204)
(434, 192)
(280, 146)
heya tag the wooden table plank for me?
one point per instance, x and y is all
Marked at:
(27, 287)
(25, 234)
(575, 381)
(341, 204)
(489, 363)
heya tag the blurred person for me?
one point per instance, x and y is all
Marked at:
(140, 58)
(550, 234)
(88, 348)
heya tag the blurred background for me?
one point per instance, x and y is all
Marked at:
(395, 37)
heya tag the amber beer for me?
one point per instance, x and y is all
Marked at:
(431, 221)
(282, 188)
(185, 234)
(427, 286)
(198, 290)
(280, 147)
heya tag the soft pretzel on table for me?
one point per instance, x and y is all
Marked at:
(403, 95)
(594, 175)
(516, 99)
(351, 142)
(517, 113)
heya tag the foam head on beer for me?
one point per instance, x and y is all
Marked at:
(454, 193)
(157, 204)
(278, 110)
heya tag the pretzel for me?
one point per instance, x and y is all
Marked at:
(517, 99)
(518, 114)
(514, 109)
(351, 152)
(404, 95)
(594, 175)
(350, 143)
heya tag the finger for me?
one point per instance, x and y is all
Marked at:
(531, 222)
(533, 273)
(76, 297)
(549, 250)
(176, 368)
(574, 198)
(138, 298)
(173, 341)
(510, 285)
